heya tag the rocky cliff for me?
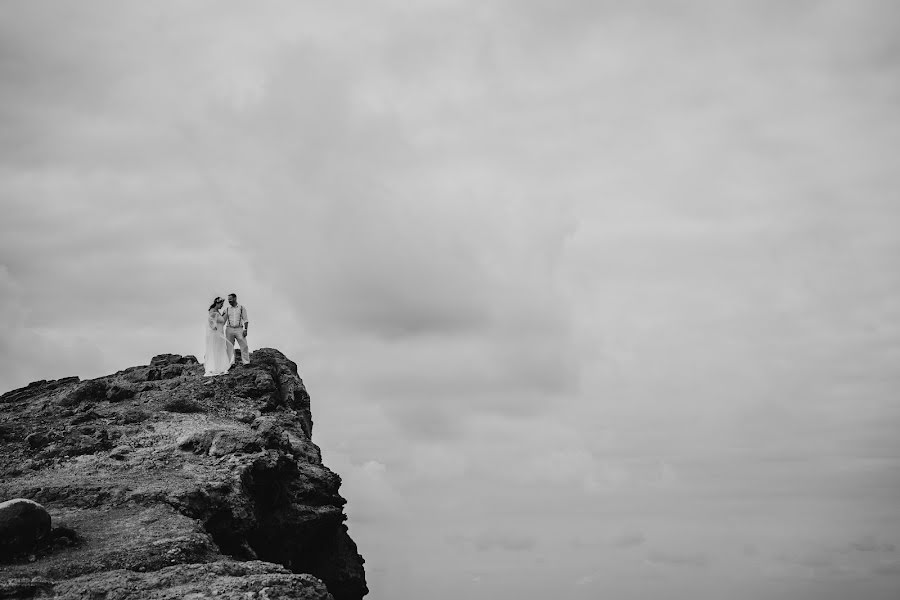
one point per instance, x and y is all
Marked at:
(162, 483)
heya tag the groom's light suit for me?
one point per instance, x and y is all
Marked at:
(236, 316)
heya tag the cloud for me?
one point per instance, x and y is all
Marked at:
(678, 559)
(870, 543)
(371, 495)
(812, 558)
(438, 462)
(494, 541)
(625, 540)
(408, 248)
(629, 540)
(29, 353)
(142, 266)
(610, 475)
(887, 569)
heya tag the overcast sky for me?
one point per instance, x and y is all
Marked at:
(594, 299)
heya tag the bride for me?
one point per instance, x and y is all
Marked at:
(218, 356)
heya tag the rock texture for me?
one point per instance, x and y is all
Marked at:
(176, 486)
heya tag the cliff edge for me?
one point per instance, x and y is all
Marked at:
(162, 483)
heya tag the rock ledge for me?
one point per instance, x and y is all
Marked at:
(176, 486)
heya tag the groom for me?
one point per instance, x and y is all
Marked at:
(236, 327)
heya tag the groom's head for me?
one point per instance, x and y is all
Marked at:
(232, 299)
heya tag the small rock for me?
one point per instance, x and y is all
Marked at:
(119, 452)
(7, 432)
(183, 405)
(37, 440)
(134, 415)
(84, 417)
(196, 442)
(234, 442)
(49, 451)
(163, 359)
(63, 535)
(216, 442)
(118, 393)
(246, 416)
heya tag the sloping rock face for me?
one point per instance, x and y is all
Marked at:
(176, 486)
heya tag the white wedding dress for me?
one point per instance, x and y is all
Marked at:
(219, 356)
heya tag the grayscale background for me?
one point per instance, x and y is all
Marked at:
(594, 299)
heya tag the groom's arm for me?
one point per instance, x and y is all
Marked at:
(246, 322)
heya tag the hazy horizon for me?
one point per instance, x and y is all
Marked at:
(593, 299)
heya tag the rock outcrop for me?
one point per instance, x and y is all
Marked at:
(175, 486)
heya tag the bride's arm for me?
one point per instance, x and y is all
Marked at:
(212, 320)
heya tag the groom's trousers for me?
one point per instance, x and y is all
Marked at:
(237, 333)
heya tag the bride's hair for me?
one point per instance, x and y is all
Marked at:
(213, 305)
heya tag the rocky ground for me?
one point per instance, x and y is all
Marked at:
(162, 483)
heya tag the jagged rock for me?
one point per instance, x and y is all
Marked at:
(24, 525)
(85, 417)
(172, 359)
(133, 415)
(217, 442)
(183, 405)
(39, 388)
(234, 442)
(223, 580)
(89, 391)
(117, 393)
(36, 587)
(171, 480)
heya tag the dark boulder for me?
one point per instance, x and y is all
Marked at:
(24, 525)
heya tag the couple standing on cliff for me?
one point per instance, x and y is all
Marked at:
(223, 329)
